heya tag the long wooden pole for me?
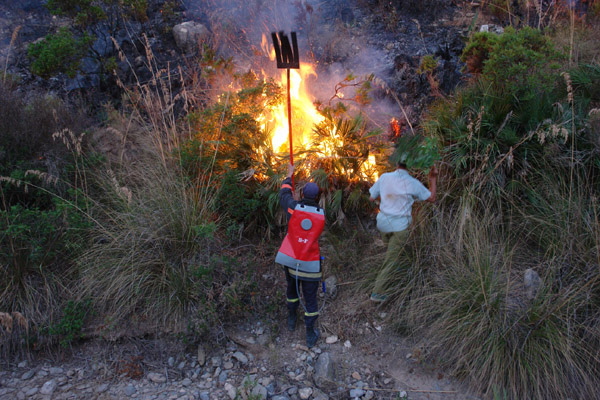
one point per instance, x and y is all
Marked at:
(290, 125)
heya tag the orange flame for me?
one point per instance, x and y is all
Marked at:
(304, 117)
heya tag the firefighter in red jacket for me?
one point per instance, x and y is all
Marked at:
(299, 253)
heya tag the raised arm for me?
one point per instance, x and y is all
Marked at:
(433, 174)
(286, 196)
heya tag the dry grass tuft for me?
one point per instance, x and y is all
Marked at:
(6, 322)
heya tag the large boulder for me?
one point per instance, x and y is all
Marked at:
(189, 34)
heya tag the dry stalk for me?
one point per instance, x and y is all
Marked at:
(13, 39)
(6, 322)
(44, 176)
(20, 319)
(15, 182)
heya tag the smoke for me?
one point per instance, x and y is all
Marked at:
(327, 37)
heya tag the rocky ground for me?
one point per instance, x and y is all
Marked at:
(358, 356)
(253, 363)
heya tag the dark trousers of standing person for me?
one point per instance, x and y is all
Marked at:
(309, 292)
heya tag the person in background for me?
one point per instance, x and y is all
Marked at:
(397, 191)
(299, 253)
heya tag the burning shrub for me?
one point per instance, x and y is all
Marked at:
(239, 138)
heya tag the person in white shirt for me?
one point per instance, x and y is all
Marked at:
(397, 192)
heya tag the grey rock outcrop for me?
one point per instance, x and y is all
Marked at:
(189, 34)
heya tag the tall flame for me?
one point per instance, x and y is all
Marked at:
(304, 116)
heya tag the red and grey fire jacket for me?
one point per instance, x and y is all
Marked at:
(299, 251)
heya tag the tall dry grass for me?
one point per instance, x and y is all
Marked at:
(460, 285)
(157, 225)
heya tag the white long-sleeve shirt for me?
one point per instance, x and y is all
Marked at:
(398, 191)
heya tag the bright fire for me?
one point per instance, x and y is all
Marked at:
(304, 117)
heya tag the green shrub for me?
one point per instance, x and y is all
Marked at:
(235, 200)
(59, 53)
(68, 328)
(83, 12)
(37, 248)
(522, 62)
(416, 152)
(477, 51)
(427, 65)
(497, 139)
(137, 9)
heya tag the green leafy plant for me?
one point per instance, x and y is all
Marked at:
(58, 53)
(416, 152)
(68, 328)
(83, 12)
(520, 61)
(477, 51)
(428, 64)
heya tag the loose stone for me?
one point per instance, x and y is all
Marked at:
(331, 339)
(240, 357)
(356, 393)
(231, 391)
(130, 390)
(48, 388)
(201, 355)
(305, 393)
(102, 388)
(156, 377)
(28, 375)
(259, 392)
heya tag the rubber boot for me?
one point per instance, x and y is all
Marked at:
(312, 335)
(291, 320)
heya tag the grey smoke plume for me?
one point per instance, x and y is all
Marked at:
(325, 36)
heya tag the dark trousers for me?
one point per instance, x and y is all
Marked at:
(309, 292)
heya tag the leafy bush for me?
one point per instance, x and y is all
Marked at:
(477, 51)
(68, 328)
(516, 60)
(83, 12)
(228, 131)
(36, 246)
(416, 152)
(522, 139)
(497, 139)
(427, 65)
(88, 12)
(59, 53)
(343, 156)
(236, 201)
(42, 225)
